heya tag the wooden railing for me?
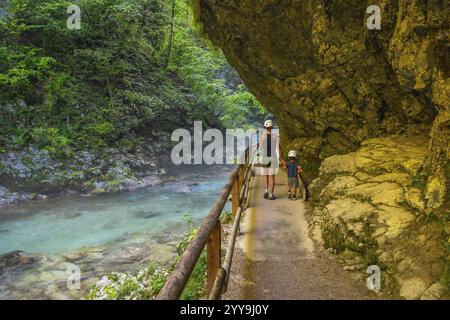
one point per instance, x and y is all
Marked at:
(223, 274)
(209, 235)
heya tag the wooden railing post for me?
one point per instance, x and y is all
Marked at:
(213, 251)
(235, 192)
(241, 177)
(209, 235)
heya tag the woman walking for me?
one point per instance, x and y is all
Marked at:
(270, 156)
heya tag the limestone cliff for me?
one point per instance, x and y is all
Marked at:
(333, 84)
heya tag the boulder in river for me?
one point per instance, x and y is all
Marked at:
(16, 260)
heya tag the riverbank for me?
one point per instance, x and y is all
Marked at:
(33, 174)
(145, 284)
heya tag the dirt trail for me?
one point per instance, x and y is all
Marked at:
(275, 257)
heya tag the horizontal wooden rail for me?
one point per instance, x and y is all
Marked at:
(177, 280)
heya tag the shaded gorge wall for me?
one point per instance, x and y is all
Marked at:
(332, 83)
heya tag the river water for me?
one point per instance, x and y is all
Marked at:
(98, 234)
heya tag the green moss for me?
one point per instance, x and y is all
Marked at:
(420, 181)
(361, 198)
(389, 284)
(334, 238)
(370, 254)
(310, 170)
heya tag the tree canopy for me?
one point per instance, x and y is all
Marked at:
(134, 72)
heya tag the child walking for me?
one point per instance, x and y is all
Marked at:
(293, 170)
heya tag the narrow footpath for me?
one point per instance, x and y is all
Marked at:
(276, 258)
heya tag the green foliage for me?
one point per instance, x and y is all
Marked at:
(146, 284)
(51, 140)
(187, 218)
(183, 244)
(206, 70)
(242, 109)
(107, 84)
(226, 217)
(104, 128)
(156, 281)
(195, 288)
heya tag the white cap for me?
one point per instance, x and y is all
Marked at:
(292, 154)
(268, 124)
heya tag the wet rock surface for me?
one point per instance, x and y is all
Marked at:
(17, 260)
(8, 197)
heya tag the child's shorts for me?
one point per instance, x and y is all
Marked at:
(293, 182)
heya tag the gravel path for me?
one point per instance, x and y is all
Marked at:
(275, 257)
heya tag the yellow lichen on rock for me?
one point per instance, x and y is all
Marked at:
(372, 213)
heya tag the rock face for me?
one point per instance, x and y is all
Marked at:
(331, 82)
(370, 108)
(370, 207)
